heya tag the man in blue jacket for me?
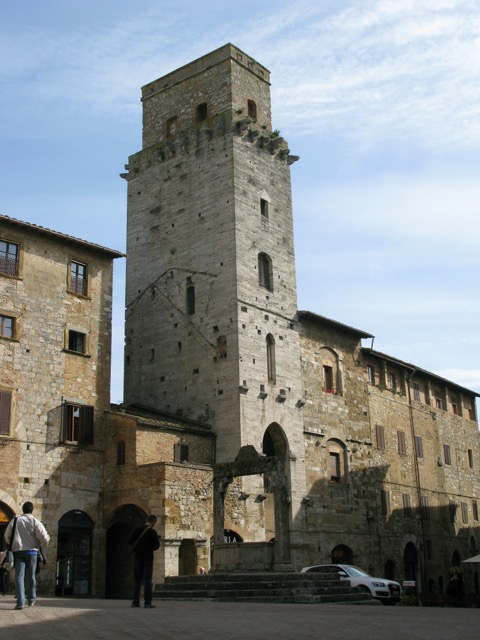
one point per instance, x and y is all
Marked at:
(144, 541)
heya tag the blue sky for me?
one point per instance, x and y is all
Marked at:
(379, 98)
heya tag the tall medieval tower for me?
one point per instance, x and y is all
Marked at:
(211, 301)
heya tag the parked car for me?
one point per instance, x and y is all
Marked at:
(387, 591)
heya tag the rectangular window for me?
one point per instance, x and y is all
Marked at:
(402, 445)
(470, 458)
(5, 412)
(202, 112)
(180, 452)
(77, 423)
(392, 382)
(380, 436)
(464, 508)
(9, 254)
(471, 410)
(475, 510)
(446, 454)
(328, 379)
(452, 509)
(77, 342)
(78, 278)
(416, 392)
(334, 465)
(454, 400)
(419, 446)
(425, 507)
(7, 326)
(385, 500)
(370, 374)
(407, 506)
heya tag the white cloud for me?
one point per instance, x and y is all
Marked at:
(469, 378)
(375, 69)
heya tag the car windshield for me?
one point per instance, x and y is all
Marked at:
(356, 572)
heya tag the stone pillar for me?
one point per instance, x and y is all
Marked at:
(168, 561)
(282, 560)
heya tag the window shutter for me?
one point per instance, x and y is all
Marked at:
(402, 447)
(86, 425)
(180, 452)
(380, 436)
(5, 412)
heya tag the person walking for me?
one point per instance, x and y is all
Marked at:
(144, 541)
(27, 536)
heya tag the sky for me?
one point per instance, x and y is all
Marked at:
(379, 98)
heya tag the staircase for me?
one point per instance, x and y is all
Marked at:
(300, 588)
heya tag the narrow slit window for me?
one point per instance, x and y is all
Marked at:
(271, 374)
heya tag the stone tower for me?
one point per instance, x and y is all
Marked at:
(211, 303)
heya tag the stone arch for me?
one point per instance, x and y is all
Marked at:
(275, 555)
(119, 560)
(6, 514)
(342, 554)
(275, 441)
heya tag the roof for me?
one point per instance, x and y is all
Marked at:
(160, 419)
(112, 253)
(415, 369)
(313, 317)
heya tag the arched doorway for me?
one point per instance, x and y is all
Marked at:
(6, 514)
(341, 554)
(274, 444)
(410, 566)
(74, 555)
(119, 565)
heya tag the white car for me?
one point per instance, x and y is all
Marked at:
(387, 591)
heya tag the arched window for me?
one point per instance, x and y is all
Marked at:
(252, 110)
(271, 374)
(331, 378)
(265, 276)
(336, 460)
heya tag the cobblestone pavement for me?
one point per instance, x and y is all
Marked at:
(80, 619)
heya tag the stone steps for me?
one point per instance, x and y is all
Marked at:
(262, 587)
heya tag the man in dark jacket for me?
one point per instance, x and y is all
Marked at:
(144, 541)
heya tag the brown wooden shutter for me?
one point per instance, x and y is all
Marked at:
(5, 412)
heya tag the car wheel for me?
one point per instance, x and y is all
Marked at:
(363, 588)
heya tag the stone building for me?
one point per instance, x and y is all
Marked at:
(380, 457)
(264, 437)
(55, 335)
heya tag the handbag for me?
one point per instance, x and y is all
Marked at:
(7, 562)
(9, 559)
